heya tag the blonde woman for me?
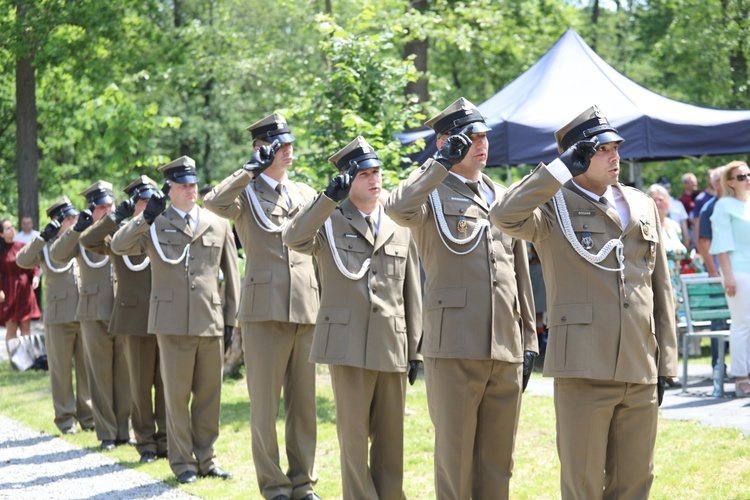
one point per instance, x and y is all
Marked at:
(731, 244)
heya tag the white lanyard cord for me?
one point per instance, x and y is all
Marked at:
(563, 217)
(163, 257)
(91, 263)
(260, 218)
(443, 231)
(337, 258)
(136, 267)
(51, 267)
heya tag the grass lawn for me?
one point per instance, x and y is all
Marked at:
(692, 462)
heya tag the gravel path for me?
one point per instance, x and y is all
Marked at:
(34, 466)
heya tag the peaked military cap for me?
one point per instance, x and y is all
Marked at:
(455, 117)
(61, 208)
(590, 123)
(358, 153)
(182, 171)
(99, 193)
(272, 128)
(143, 187)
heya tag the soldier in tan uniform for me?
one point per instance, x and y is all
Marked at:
(62, 334)
(610, 308)
(369, 323)
(479, 321)
(280, 300)
(105, 356)
(188, 247)
(130, 321)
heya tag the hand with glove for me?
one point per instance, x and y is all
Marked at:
(124, 210)
(156, 204)
(50, 230)
(529, 357)
(455, 148)
(262, 158)
(85, 219)
(661, 385)
(578, 156)
(414, 365)
(338, 188)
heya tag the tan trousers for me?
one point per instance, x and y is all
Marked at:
(474, 406)
(108, 380)
(277, 358)
(148, 413)
(191, 365)
(606, 432)
(370, 408)
(64, 344)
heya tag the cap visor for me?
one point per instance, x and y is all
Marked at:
(67, 212)
(185, 179)
(609, 136)
(103, 200)
(477, 127)
(367, 164)
(146, 193)
(282, 138)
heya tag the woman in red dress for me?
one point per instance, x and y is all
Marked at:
(17, 301)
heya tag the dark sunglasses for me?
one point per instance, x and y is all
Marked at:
(740, 177)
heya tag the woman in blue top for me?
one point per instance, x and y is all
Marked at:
(731, 244)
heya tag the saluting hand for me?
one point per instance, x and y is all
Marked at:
(578, 156)
(124, 210)
(156, 204)
(338, 188)
(455, 148)
(50, 230)
(262, 158)
(85, 219)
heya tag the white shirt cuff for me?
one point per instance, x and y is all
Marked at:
(559, 171)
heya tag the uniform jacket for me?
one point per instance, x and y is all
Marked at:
(60, 288)
(185, 298)
(597, 328)
(476, 306)
(96, 286)
(280, 284)
(130, 311)
(373, 322)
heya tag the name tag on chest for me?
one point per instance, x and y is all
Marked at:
(584, 213)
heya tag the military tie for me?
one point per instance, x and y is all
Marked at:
(280, 190)
(189, 224)
(474, 186)
(371, 225)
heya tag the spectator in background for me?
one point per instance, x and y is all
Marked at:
(689, 192)
(705, 235)
(731, 245)
(17, 302)
(27, 234)
(701, 198)
(676, 211)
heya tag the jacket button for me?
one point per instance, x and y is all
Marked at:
(192, 287)
(122, 304)
(564, 318)
(326, 318)
(440, 301)
(460, 210)
(375, 254)
(252, 279)
(192, 273)
(373, 291)
(585, 226)
(350, 246)
(291, 265)
(626, 304)
(374, 271)
(375, 309)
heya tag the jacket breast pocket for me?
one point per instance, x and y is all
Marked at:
(161, 309)
(647, 247)
(212, 245)
(395, 260)
(460, 217)
(445, 321)
(87, 299)
(332, 332)
(257, 291)
(569, 336)
(352, 252)
(172, 243)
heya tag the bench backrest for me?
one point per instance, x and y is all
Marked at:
(703, 300)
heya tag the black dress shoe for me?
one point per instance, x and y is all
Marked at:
(147, 457)
(161, 454)
(218, 472)
(311, 496)
(120, 442)
(281, 497)
(187, 477)
(69, 430)
(107, 445)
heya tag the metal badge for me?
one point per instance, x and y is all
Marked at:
(461, 227)
(587, 241)
(651, 248)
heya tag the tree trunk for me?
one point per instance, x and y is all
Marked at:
(418, 48)
(27, 153)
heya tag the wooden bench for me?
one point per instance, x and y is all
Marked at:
(703, 300)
